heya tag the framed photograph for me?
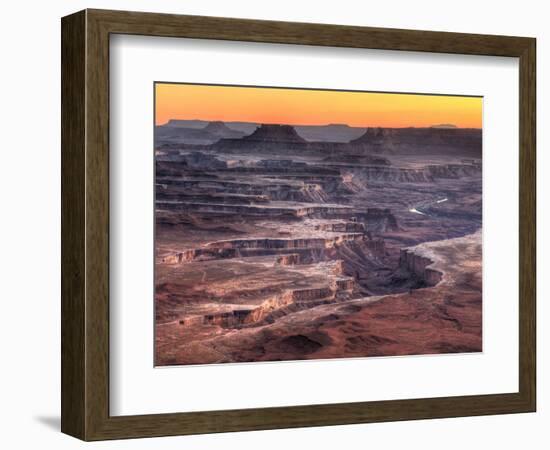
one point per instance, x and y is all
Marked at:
(273, 225)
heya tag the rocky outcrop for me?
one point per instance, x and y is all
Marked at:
(293, 299)
(265, 137)
(345, 284)
(419, 266)
(227, 319)
(304, 249)
(278, 134)
(193, 132)
(239, 317)
(376, 140)
(248, 247)
(421, 141)
(220, 130)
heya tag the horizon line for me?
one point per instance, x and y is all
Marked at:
(325, 124)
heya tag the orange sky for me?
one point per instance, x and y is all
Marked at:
(313, 107)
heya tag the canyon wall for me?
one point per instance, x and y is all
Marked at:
(419, 266)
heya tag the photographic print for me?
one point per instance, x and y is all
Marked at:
(296, 224)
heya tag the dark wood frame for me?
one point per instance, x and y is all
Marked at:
(85, 224)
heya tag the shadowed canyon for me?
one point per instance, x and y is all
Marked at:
(279, 242)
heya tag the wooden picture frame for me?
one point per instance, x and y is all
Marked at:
(85, 224)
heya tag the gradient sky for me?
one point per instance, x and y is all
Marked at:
(313, 107)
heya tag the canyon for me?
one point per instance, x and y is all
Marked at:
(280, 242)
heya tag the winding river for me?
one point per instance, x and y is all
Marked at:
(416, 209)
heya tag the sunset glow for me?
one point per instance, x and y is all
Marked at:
(313, 107)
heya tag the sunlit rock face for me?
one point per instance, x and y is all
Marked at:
(285, 243)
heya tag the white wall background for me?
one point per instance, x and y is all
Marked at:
(30, 226)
